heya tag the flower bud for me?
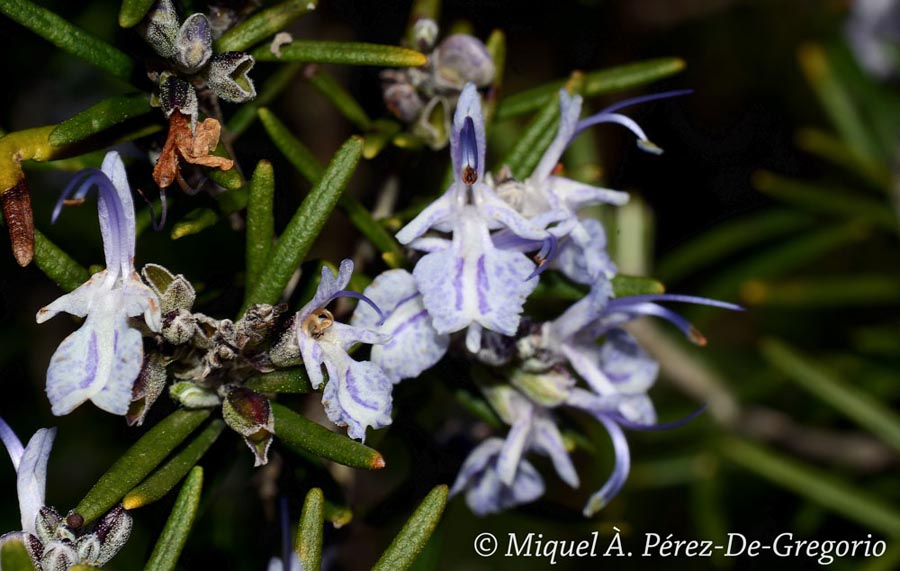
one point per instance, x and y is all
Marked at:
(461, 59)
(112, 531)
(227, 76)
(179, 327)
(256, 324)
(425, 33)
(160, 28)
(546, 389)
(403, 101)
(193, 43)
(88, 548)
(192, 396)
(249, 414)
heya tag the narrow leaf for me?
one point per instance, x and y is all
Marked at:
(100, 117)
(871, 512)
(853, 402)
(325, 84)
(310, 168)
(595, 83)
(266, 94)
(860, 290)
(230, 179)
(307, 436)
(309, 533)
(284, 381)
(826, 199)
(836, 100)
(133, 11)
(14, 556)
(167, 477)
(383, 131)
(412, 539)
(138, 461)
(540, 132)
(347, 53)
(178, 526)
(732, 236)
(262, 25)
(832, 148)
(194, 222)
(68, 37)
(624, 286)
(260, 219)
(56, 264)
(307, 222)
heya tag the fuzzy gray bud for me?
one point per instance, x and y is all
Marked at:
(160, 28)
(194, 43)
(461, 59)
(227, 76)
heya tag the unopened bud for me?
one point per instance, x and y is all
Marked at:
(113, 531)
(425, 33)
(461, 59)
(46, 522)
(175, 94)
(192, 396)
(193, 43)
(249, 414)
(160, 28)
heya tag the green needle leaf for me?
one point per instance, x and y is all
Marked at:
(624, 286)
(271, 89)
(307, 222)
(306, 436)
(822, 383)
(260, 219)
(340, 98)
(310, 168)
(68, 37)
(720, 242)
(819, 486)
(58, 265)
(347, 53)
(861, 290)
(100, 117)
(595, 83)
(411, 540)
(163, 480)
(14, 556)
(138, 461)
(133, 11)
(309, 534)
(194, 222)
(178, 526)
(262, 25)
(294, 381)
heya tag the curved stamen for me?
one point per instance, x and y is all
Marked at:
(69, 191)
(361, 297)
(655, 310)
(286, 550)
(620, 470)
(469, 152)
(545, 256)
(654, 427)
(636, 299)
(646, 99)
(158, 224)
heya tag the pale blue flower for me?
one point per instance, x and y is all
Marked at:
(30, 463)
(873, 33)
(415, 344)
(467, 281)
(358, 393)
(101, 360)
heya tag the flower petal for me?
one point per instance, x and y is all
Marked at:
(626, 364)
(548, 440)
(569, 111)
(114, 169)
(358, 394)
(127, 356)
(31, 481)
(414, 345)
(433, 215)
(78, 302)
(468, 105)
(12, 443)
(330, 284)
(583, 257)
(476, 462)
(575, 195)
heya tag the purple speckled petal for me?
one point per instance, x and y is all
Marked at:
(358, 394)
(31, 476)
(498, 214)
(474, 281)
(583, 257)
(79, 301)
(476, 462)
(313, 357)
(626, 364)
(569, 111)
(114, 169)
(489, 495)
(469, 105)
(345, 336)
(620, 473)
(581, 313)
(127, 355)
(414, 345)
(139, 299)
(548, 440)
(12, 443)
(329, 286)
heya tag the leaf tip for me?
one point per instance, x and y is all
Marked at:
(377, 462)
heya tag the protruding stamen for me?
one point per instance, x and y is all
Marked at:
(157, 223)
(654, 427)
(468, 145)
(364, 299)
(545, 256)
